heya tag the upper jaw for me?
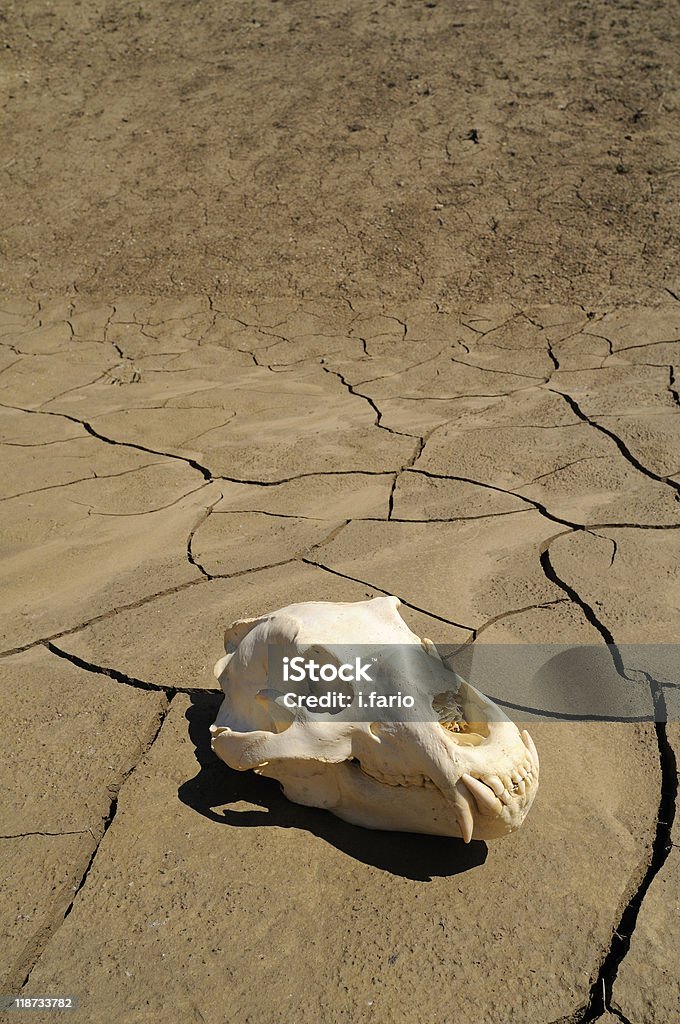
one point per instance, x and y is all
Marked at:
(485, 805)
(491, 803)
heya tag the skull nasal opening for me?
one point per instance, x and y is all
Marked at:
(454, 716)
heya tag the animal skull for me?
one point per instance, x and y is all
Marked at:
(467, 772)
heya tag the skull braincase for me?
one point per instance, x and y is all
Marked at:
(468, 772)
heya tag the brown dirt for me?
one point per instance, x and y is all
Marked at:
(518, 150)
(322, 302)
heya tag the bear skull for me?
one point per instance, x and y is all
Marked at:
(467, 772)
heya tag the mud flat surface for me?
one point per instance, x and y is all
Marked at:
(324, 304)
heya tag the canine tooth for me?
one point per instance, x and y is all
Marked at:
(495, 783)
(486, 802)
(522, 787)
(463, 804)
(531, 747)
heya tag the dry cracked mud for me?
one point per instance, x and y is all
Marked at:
(321, 303)
(155, 492)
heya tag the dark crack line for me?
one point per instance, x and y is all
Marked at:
(334, 532)
(551, 574)
(504, 373)
(200, 580)
(74, 832)
(366, 398)
(544, 511)
(76, 387)
(476, 633)
(201, 520)
(404, 369)
(390, 500)
(551, 355)
(628, 348)
(41, 444)
(305, 476)
(601, 993)
(273, 515)
(372, 586)
(106, 825)
(562, 716)
(622, 447)
(84, 480)
(501, 490)
(422, 441)
(203, 470)
(442, 519)
(10, 365)
(258, 568)
(559, 469)
(460, 398)
(147, 512)
(10, 652)
(114, 673)
(672, 385)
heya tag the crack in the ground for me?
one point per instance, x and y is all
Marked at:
(366, 398)
(542, 509)
(672, 385)
(500, 490)
(504, 373)
(133, 605)
(106, 825)
(73, 832)
(620, 444)
(372, 586)
(40, 444)
(201, 520)
(252, 482)
(88, 428)
(602, 990)
(601, 993)
(80, 480)
(513, 612)
(572, 594)
(11, 651)
(409, 464)
(118, 676)
(91, 511)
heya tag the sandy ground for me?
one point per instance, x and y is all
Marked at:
(324, 302)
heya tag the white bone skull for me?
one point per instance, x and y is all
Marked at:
(468, 772)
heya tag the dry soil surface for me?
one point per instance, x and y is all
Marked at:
(311, 302)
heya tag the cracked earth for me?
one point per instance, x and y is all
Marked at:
(172, 465)
(320, 305)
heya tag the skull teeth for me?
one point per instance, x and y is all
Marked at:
(487, 802)
(490, 793)
(531, 747)
(495, 783)
(464, 807)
